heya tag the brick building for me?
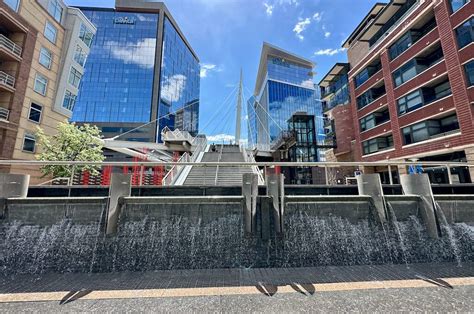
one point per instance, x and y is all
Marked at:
(411, 83)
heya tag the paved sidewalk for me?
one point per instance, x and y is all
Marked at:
(440, 287)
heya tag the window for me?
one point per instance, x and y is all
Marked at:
(13, 4)
(69, 100)
(29, 143)
(469, 67)
(370, 96)
(41, 84)
(430, 128)
(35, 113)
(405, 73)
(80, 56)
(377, 144)
(367, 73)
(372, 120)
(410, 102)
(86, 35)
(55, 9)
(45, 58)
(50, 32)
(75, 77)
(401, 45)
(465, 33)
(457, 4)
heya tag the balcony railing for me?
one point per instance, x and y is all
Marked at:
(6, 79)
(4, 113)
(6, 43)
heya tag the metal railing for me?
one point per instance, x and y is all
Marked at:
(175, 171)
(4, 113)
(7, 79)
(6, 43)
(388, 165)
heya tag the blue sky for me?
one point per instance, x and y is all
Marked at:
(228, 34)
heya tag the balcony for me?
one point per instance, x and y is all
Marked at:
(4, 113)
(432, 73)
(374, 80)
(7, 82)
(329, 141)
(9, 50)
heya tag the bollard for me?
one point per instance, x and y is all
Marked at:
(14, 185)
(419, 185)
(276, 190)
(250, 193)
(369, 184)
(120, 186)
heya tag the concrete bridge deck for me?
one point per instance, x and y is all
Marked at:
(437, 287)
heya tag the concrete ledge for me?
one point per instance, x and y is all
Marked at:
(326, 198)
(57, 200)
(457, 197)
(183, 200)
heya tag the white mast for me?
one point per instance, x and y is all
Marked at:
(239, 112)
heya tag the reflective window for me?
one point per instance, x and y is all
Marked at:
(372, 120)
(465, 33)
(405, 73)
(86, 35)
(55, 9)
(286, 71)
(457, 4)
(13, 4)
(469, 67)
(80, 56)
(118, 74)
(180, 84)
(29, 143)
(410, 102)
(367, 73)
(35, 113)
(370, 96)
(75, 77)
(50, 32)
(377, 144)
(41, 84)
(430, 128)
(45, 58)
(69, 100)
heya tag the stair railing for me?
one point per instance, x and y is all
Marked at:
(218, 161)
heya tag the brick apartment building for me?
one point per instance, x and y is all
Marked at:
(411, 83)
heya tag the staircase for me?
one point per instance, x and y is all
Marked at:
(226, 176)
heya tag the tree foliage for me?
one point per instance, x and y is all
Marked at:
(70, 143)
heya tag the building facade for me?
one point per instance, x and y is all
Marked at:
(285, 114)
(338, 124)
(141, 75)
(45, 70)
(411, 81)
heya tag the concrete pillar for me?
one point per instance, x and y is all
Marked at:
(14, 185)
(369, 184)
(120, 186)
(250, 193)
(275, 189)
(470, 159)
(419, 184)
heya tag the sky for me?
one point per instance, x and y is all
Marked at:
(227, 36)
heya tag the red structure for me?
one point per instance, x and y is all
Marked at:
(411, 83)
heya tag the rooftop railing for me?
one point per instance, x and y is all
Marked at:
(9, 45)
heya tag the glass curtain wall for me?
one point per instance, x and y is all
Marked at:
(179, 96)
(118, 77)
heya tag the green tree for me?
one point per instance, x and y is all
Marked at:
(70, 143)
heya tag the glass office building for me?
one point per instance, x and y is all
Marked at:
(285, 87)
(138, 73)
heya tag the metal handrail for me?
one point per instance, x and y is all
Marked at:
(4, 113)
(218, 161)
(56, 179)
(10, 45)
(7, 79)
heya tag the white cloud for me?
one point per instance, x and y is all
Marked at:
(227, 138)
(308, 83)
(207, 68)
(327, 34)
(268, 8)
(329, 52)
(173, 87)
(301, 26)
(318, 16)
(142, 53)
